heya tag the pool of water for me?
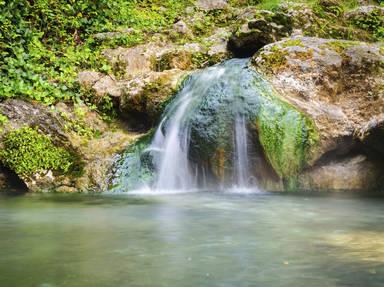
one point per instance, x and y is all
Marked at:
(191, 239)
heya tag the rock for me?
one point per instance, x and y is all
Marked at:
(371, 134)
(107, 85)
(363, 12)
(255, 34)
(144, 98)
(146, 76)
(88, 78)
(211, 4)
(338, 84)
(133, 61)
(113, 35)
(74, 129)
(182, 28)
(352, 173)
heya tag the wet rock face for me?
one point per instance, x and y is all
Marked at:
(339, 85)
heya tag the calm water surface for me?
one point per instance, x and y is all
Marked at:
(192, 239)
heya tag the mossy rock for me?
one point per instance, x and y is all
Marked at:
(27, 151)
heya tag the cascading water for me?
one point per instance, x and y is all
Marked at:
(172, 138)
(241, 153)
(208, 134)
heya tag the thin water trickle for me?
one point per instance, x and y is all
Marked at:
(241, 152)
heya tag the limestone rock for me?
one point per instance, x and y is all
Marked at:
(211, 4)
(88, 78)
(339, 85)
(144, 97)
(74, 129)
(352, 173)
(363, 12)
(182, 28)
(266, 28)
(107, 85)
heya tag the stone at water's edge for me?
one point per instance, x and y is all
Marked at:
(340, 86)
(76, 129)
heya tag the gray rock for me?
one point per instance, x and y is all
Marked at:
(352, 173)
(211, 4)
(107, 85)
(181, 28)
(88, 78)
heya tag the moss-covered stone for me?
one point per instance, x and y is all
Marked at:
(135, 168)
(286, 135)
(26, 151)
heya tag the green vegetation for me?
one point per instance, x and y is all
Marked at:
(44, 43)
(339, 46)
(26, 151)
(287, 137)
(274, 58)
(3, 119)
(292, 42)
(372, 22)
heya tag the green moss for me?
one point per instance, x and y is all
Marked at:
(201, 60)
(339, 46)
(136, 168)
(292, 42)
(3, 119)
(275, 57)
(372, 22)
(287, 136)
(26, 151)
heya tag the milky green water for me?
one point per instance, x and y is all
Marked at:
(193, 239)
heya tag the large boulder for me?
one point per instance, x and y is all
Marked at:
(63, 129)
(337, 84)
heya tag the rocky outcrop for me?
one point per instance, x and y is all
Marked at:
(339, 85)
(351, 173)
(266, 28)
(77, 130)
(146, 76)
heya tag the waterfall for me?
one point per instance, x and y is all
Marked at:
(202, 141)
(242, 175)
(172, 137)
(173, 166)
